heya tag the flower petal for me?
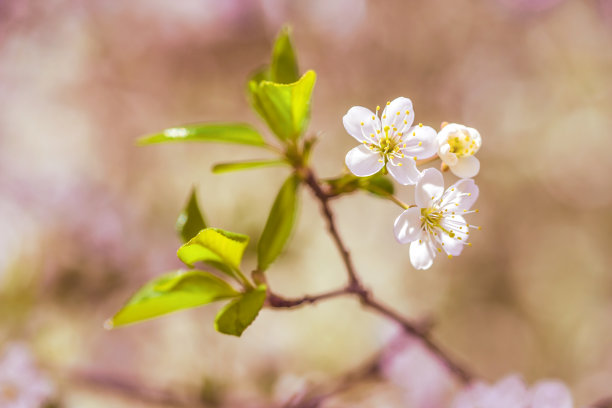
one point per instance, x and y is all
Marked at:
(404, 171)
(447, 131)
(446, 156)
(475, 135)
(407, 226)
(363, 162)
(429, 188)
(422, 252)
(395, 114)
(353, 123)
(460, 196)
(551, 394)
(420, 142)
(466, 167)
(457, 225)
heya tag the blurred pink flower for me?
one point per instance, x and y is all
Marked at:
(425, 381)
(529, 5)
(22, 385)
(511, 392)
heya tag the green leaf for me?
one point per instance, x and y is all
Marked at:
(207, 132)
(246, 165)
(279, 225)
(284, 107)
(171, 292)
(237, 315)
(222, 249)
(378, 185)
(190, 220)
(284, 67)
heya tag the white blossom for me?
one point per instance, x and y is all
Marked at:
(389, 141)
(436, 223)
(511, 392)
(22, 385)
(457, 145)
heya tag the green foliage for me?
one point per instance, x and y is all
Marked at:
(171, 292)
(246, 165)
(222, 249)
(279, 225)
(237, 315)
(377, 184)
(284, 67)
(190, 220)
(284, 107)
(207, 132)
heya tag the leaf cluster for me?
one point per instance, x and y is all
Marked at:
(282, 98)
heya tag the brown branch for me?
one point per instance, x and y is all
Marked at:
(356, 288)
(366, 371)
(277, 301)
(313, 183)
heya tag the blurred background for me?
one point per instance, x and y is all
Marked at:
(86, 217)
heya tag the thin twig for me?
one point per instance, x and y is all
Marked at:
(366, 371)
(277, 301)
(314, 185)
(356, 287)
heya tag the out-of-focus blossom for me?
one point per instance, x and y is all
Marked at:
(322, 15)
(529, 6)
(511, 392)
(389, 141)
(289, 389)
(22, 385)
(457, 145)
(424, 380)
(436, 222)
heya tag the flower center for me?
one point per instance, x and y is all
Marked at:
(462, 144)
(431, 219)
(389, 145)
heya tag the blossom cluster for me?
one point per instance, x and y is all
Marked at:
(391, 143)
(22, 385)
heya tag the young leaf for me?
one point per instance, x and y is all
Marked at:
(222, 249)
(207, 132)
(171, 292)
(284, 66)
(237, 315)
(246, 165)
(378, 185)
(190, 220)
(284, 107)
(279, 225)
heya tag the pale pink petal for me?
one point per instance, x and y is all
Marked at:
(466, 167)
(475, 135)
(353, 123)
(447, 131)
(420, 142)
(401, 121)
(362, 162)
(407, 227)
(404, 171)
(429, 188)
(422, 252)
(458, 226)
(460, 196)
(551, 394)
